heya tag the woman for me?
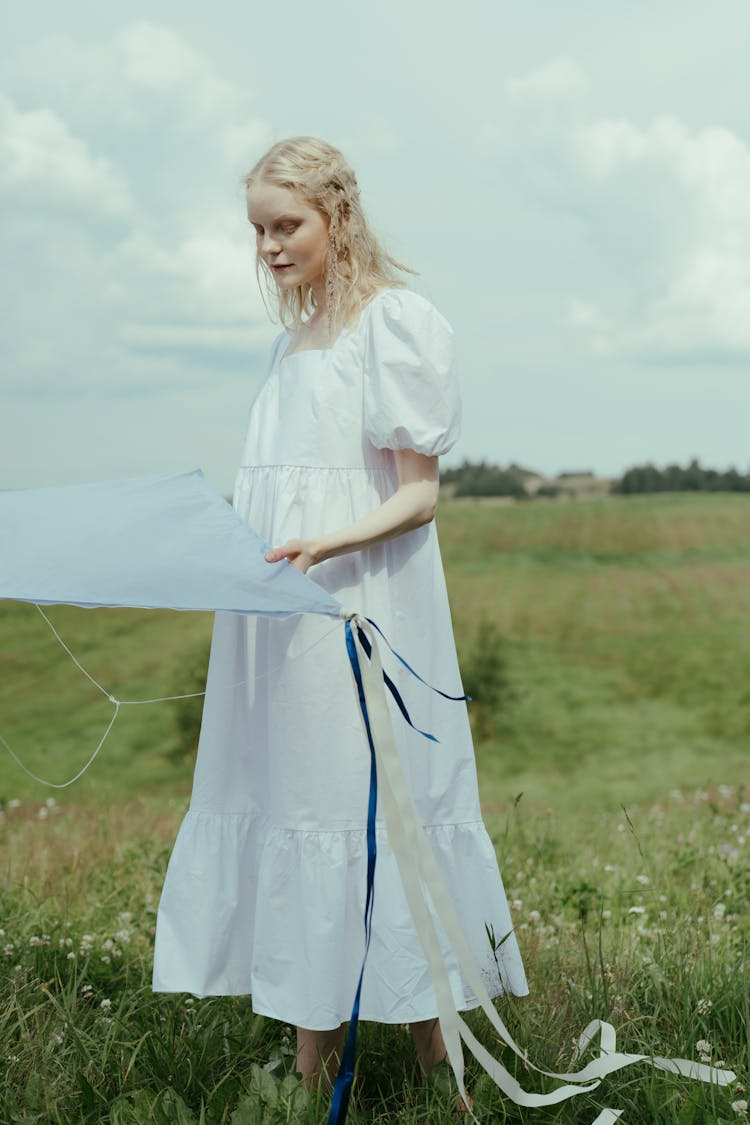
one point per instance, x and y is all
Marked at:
(265, 888)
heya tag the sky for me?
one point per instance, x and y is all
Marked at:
(571, 181)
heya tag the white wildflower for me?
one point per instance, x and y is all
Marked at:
(8, 949)
(71, 956)
(43, 813)
(107, 945)
(739, 1107)
(704, 1006)
(534, 916)
(14, 803)
(50, 802)
(637, 910)
(106, 1004)
(125, 917)
(703, 1047)
(123, 936)
(643, 880)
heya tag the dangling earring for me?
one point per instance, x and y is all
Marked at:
(333, 288)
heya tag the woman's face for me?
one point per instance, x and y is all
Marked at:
(291, 236)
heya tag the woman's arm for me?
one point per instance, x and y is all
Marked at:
(412, 505)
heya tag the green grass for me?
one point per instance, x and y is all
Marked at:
(626, 630)
(53, 717)
(641, 920)
(623, 626)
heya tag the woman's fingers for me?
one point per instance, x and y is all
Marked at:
(294, 551)
(288, 551)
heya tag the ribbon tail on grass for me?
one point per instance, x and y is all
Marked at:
(421, 877)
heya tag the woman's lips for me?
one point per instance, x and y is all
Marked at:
(285, 266)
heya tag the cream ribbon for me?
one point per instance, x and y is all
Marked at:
(421, 879)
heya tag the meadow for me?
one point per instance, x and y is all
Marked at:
(606, 644)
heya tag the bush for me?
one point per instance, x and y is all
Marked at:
(673, 478)
(484, 670)
(188, 713)
(482, 479)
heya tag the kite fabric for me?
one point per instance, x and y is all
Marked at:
(159, 542)
(172, 542)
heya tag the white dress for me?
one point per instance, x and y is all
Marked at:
(264, 893)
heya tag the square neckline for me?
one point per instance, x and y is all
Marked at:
(345, 331)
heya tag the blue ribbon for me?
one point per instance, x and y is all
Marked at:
(343, 1085)
(454, 698)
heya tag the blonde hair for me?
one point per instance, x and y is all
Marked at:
(356, 264)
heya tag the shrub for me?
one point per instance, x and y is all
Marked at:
(484, 669)
(189, 712)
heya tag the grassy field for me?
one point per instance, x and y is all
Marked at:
(619, 632)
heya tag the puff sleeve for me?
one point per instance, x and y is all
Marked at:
(411, 396)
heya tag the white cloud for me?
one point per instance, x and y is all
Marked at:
(205, 339)
(146, 80)
(39, 154)
(126, 304)
(707, 307)
(698, 301)
(561, 78)
(245, 141)
(212, 273)
(158, 61)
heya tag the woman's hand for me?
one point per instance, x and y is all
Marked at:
(411, 506)
(299, 552)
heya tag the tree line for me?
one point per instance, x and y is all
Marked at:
(482, 478)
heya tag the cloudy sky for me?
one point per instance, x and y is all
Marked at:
(572, 182)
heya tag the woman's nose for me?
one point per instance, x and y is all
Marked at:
(269, 245)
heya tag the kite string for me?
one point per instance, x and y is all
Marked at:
(188, 695)
(118, 703)
(75, 660)
(81, 772)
